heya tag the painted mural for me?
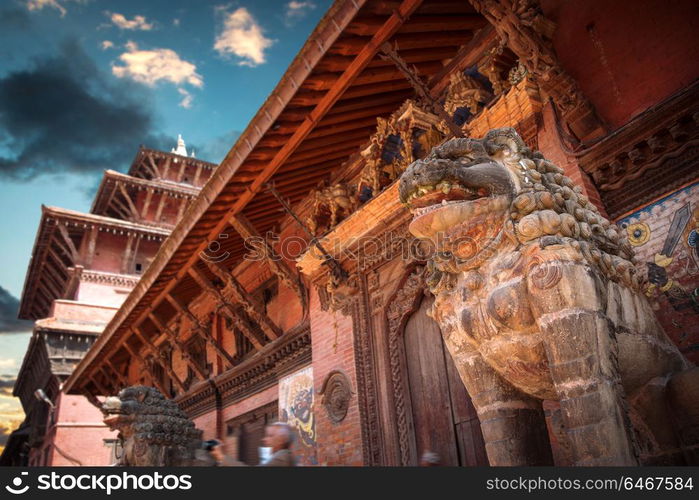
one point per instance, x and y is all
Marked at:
(296, 397)
(665, 237)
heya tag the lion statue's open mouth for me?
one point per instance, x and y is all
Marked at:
(459, 205)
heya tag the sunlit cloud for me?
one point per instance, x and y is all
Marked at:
(40, 4)
(242, 37)
(138, 23)
(106, 44)
(187, 98)
(296, 10)
(51, 4)
(152, 66)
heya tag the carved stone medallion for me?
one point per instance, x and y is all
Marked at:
(337, 393)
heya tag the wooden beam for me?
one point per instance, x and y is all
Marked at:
(122, 209)
(75, 255)
(92, 399)
(146, 203)
(367, 26)
(91, 246)
(251, 306)
(177, 344)
(129, 201)
(467, 56)
(367, 53)
(156, 356)
(166, 168)
(126, 256)
(181, 209)
(290, 279)
(110, 378)
(205, 284)
(324, 81)
(123, 379)
(45, 280)
(141, 359)
(154, 166)
(201, 330)
(353, 45)
(103, 390)
(197, 175)
(58, 269)
(180, 174)
(161, 205)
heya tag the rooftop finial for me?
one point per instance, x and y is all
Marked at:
(181, 149)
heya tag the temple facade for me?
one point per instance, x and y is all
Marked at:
(292, 289)
(83, 267)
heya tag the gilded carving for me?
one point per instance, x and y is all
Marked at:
(331, 204)
(465, 92)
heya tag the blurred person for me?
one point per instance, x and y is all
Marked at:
(279, 437)
(216, 457)
(430, 459)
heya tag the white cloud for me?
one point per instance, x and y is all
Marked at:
(151, 66)
(106, 44)
(40, 4)
(176, 22)
(296, 10)
(6, 363)
(137, 23)
(187, 98)
(242, 36)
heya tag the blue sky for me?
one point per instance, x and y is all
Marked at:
(84, 82)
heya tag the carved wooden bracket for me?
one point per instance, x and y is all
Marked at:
(337, 295)
(249, 303)
(136, 355)
(158, 359)
(200, 329)
(179, 346)
(524, 30)
(288, 277)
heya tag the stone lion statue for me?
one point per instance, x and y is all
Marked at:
(155, 432)
(538, 299)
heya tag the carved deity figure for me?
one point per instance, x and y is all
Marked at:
(538, 299)
(154, 431)
(465, 92)
(336, 202)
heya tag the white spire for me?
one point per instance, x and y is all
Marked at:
(181, 149)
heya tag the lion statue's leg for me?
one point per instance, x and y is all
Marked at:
(513, 423)
(582, 350)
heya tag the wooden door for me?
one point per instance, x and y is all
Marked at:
(248, 430)
(444, 419)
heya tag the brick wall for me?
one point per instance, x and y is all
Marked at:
(333, 349)
(79, 434)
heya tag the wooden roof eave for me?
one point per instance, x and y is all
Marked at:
(225, 194)
(43, 239)
(327, 31)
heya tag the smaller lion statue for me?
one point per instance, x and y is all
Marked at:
(154, 431)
